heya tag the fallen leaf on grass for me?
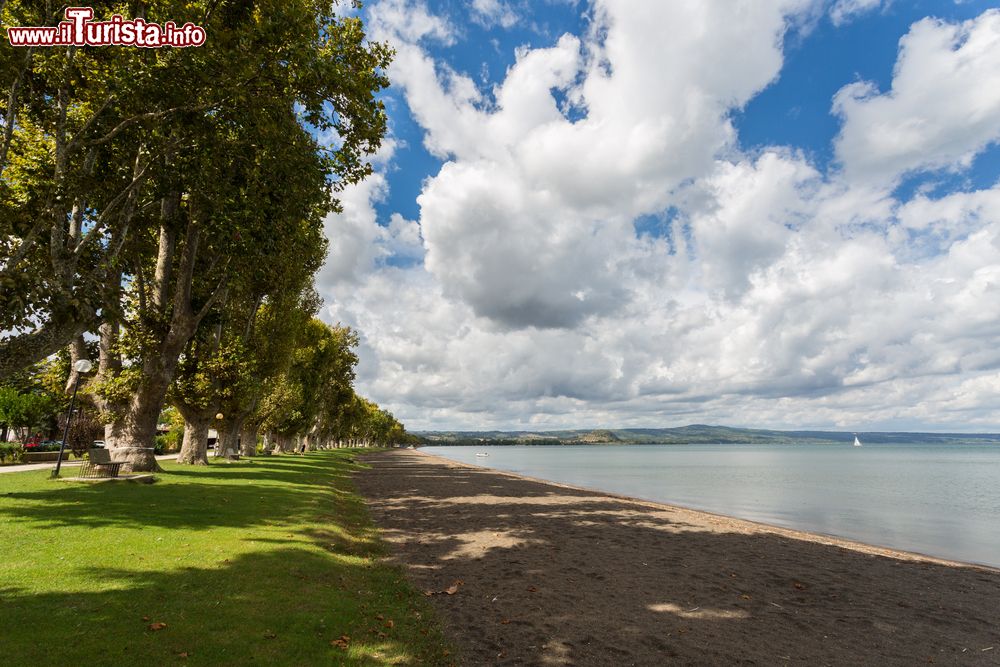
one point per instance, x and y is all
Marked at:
(532, 589)
(505, 621)
(799, 585)
(389, 624)
(342, 642)
(269, 635)
(157, 626)
(745, 597)
(145, 618)
(183, 656)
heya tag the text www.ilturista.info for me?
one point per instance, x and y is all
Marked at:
(80, 30)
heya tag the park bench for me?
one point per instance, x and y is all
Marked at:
(101, 465)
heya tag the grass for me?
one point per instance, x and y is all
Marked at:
(267, 561)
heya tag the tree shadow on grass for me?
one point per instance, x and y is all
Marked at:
(551, 575)
(284, 607)
(275, 491)
(302, 572)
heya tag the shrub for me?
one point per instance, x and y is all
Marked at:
(84, 430)
(11, 452)
(168, 442)
(44, 446)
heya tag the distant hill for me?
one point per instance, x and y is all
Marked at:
(693, 434)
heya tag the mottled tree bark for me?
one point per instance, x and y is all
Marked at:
(229, 439)
(248, 441)
(194, 448)
(77, 351)
(108, 366)
(160, 366)
(21, 351)
(282, 443)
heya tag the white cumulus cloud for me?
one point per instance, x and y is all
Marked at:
(943, 107)
(769, 293)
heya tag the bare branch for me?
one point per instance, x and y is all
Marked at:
(23, 247)
(216, 293)
(99, 225)
(20, 351)
(149, 115)
(11, 119)
(75, 141)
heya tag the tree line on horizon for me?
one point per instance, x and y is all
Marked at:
(164, 208)
(694, 434)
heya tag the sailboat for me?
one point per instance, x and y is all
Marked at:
(857, 443)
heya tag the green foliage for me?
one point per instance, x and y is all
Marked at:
(222, 136)
(168, 442)
(11, 452)
(180, 193)
(26, 410)
(317, 383)
(172, 439)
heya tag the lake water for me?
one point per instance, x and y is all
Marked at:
(939, 500)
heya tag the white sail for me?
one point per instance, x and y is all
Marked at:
(857, 443)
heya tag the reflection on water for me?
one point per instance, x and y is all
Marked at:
(941, 500)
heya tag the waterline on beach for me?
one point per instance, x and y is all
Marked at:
(942, 501)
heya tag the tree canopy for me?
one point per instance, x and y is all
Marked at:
(171, 203)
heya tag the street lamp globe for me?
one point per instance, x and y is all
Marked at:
(81, 366)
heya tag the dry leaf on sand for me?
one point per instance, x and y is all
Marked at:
(451, 590)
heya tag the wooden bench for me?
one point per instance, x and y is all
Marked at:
(99, 464)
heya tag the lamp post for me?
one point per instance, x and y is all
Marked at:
(81, 366)
(218, 436)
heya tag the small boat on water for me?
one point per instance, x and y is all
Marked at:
(482, 453)
(857, 443)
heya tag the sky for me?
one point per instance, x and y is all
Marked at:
(652, 213)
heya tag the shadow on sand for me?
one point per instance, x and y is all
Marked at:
(557, 576)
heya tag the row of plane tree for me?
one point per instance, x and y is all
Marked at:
(169, 203)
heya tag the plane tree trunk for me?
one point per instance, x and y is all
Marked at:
(194, 448)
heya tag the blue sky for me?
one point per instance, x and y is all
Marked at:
(794, 110)
(650, 214)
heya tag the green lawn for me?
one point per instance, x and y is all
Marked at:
(267, 561)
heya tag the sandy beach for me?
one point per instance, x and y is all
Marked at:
(525, 572)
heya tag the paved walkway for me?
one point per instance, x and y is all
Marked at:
(24, 467)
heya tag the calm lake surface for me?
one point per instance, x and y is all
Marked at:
(937, 500)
